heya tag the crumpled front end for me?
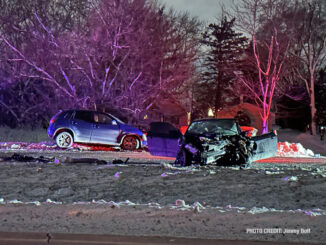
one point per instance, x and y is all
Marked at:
(228, 150)
(220, 150)
(213, 151)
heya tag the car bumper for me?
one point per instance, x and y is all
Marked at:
(50, 132)
(144, 143)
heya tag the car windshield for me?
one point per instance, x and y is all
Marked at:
(225, 127)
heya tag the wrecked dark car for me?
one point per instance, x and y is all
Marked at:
(210, 141)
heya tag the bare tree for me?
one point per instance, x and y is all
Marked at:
(309, 39)
(268, 52)
(29, 56)
(110, 54)
(137, 51)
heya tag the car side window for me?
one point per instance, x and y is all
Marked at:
(103, 119)
(67, 115)
(84, 116)
(162, 128)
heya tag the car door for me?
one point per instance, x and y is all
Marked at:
(105, 130)
(266, 146)
(82, 126)
(163, 139)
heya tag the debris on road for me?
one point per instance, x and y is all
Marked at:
(23, 158)
(290, 178)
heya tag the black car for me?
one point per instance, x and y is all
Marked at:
(210, 141)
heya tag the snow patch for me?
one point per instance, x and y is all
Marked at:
(286, 149)
(15, 146)
(15, 202)
(273, 172)
(196, 207)
(37, 203)
(320, 172)
(235, 207)
(256, 210)
(182, 206)
(167, 174)
(49, 201)
(311, 213)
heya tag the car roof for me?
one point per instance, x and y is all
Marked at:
(86, 110)
(215, 119)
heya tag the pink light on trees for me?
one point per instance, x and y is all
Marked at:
(95, 54)
(268, 55)
(269, 70)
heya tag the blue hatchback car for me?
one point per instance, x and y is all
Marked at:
(93, 127)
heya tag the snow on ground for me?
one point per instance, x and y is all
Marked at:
(292, 143)
(307, 141)
(190, 201)
(50, 145)
(194, 201)
(180, 205)
(284, 149)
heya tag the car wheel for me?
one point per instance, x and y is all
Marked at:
(64, 139)
(243, 158)
(130, 143)
(183, 158)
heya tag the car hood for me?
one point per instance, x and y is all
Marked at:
(211, 136)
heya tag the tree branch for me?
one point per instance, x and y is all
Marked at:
(135, 80)
(39, 69)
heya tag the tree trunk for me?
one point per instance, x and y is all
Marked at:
(217, 96)
(217, 101)
(313, 129)
(265, 126)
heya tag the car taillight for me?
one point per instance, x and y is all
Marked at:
(52, 120)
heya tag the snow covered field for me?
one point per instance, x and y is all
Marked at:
(160, 199)
(149, 196)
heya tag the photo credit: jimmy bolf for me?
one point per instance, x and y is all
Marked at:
(277, 231)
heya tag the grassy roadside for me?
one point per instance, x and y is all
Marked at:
(23, 135)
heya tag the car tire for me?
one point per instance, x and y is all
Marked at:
(64, 140)
(243, 158)
(183, 158)
(130, 143)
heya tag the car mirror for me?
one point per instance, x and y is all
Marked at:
(114, 122)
